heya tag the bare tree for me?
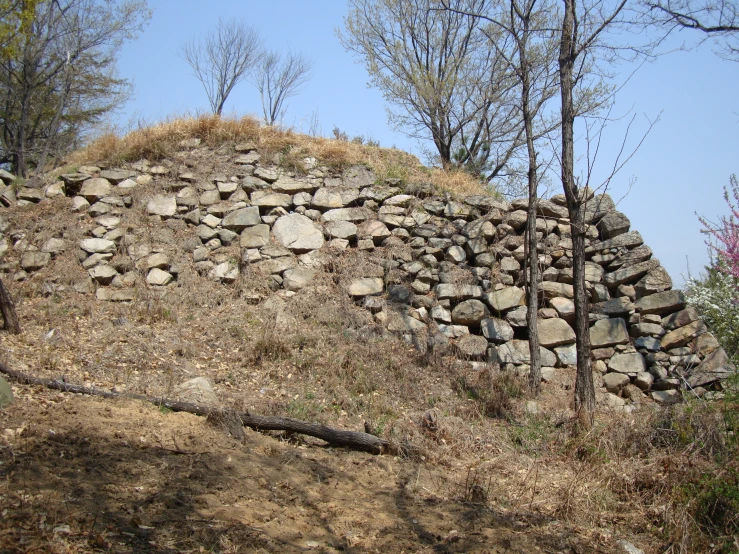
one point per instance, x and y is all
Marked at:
(531, 56)
(278, 78)
(223, 59)
(7, 308)
(443, 80)
(718, 19)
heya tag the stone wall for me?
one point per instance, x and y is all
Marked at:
(453, 271)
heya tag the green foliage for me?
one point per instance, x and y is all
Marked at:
(716, 297)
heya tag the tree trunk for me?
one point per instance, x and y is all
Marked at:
(584, 390)
(7, 307)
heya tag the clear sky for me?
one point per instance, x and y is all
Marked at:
(679, 171)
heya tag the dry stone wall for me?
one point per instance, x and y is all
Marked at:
(452, 280)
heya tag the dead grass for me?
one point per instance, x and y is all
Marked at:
(163, 140)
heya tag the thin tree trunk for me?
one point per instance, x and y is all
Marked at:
(7, 307)
(584, 390)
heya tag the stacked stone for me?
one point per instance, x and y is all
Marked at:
(456, 271)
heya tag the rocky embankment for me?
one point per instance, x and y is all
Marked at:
(450, 279)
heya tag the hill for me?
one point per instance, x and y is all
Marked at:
(219, 262)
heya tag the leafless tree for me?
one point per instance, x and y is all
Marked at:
(222, 59)
(437, 70)
(530, 54)
(717, 19)
(278, 78)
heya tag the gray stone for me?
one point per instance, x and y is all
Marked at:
(646, 329)
(267, 199)
(626, 240)
(159, 260)
(240, 219)
(103, 274)
(566, 355)
(276, 265)
(613, 224)
(517, 352)
(614, 382)
(608, 332)
(117, 176)
(635, 256)
(255, 237)
(666, 396)
(334, 197)
(347, 214)
(554, 332)
(297, 278)
(34, 260)
(54, 246)
(366, 286)
(469, 312)
(439, 313)
(341, 230)
(648, 343)
(292, 186)
(679, 319)
(505, 299)
(30, 195)
(683, 335)
(564, 306)
(450, 291)
(164, 206)
(550, 289)
(715, 367)
(631, 363)
(158, 277)
(644, 380)
(472, 346)
(661, 303)
(629, 274)
(401, 323)
(210, 197)
(298, 233)
(94, 189)
(616, 307)
(496, 330)
(657, 280)
(226, 272)
(517, 317)
(197, 391)
(454, 331)
(358, 176)
(6, 392)
(97, 246)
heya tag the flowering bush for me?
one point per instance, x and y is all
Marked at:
(726, 233)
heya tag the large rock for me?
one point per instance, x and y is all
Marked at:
(715, 367)
(449, 291)
(239, 220)
(255, 237)
(614, 382)
(298, 233)
(661, 303)
(630, 363)
(267, 199)
(505, 299)
(550, 289)
(517, 352)
(630, 274)
(292, 186)
(297, 278)
(34, 260)
(327, 198)
(566, 355)
(683, 335)
(472, 346)
(554, 332)
(103, 274)
(366, 286)
(348, 214)
(94, 189)
(496, 330)
(164, 206)
(98, 246)
(627, 240)
(616, 307)
(197, 391)
(158, 277)
(655, 281)
(613, 224)
(469, 312)
(608, 332)
(679, 319)
(341, 230)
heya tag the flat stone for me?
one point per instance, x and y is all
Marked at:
(97, 246)
(348, 214)
(648, 343)
(292, 186)
(613, 224)
(616, 307)
(226, 272)
(554, 332)
(505, 299)
(454, 331)
(655, 281)
(117, 176)
(164, 206)
(158, 277)
(631, 239)
(297, 278)
(276, 266)
(366, 286)
(30, 195)
(683, 335)
(34, 260)
(158, 260)
(517, 352)
(715, 367)
(661, 303)
(103, 274)
(680, 319)
(550, 289)
(630, 363)
(298, 233)
(646, 329)
(266, 199)
(448, 291)
(94, 189)
(255, 237)
(240, 219)
(608, 332)
(496, 330)
(566, 355)
(630, 274)
(334, 197)
(635, 256)
(666, 396)
(341, 230)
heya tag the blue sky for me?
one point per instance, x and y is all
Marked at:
(679, 171)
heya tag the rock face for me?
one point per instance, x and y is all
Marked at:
(298, 233)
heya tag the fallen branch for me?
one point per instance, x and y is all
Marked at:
(336, 437)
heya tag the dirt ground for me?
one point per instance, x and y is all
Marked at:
(82, 474)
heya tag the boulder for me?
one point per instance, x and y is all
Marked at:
(683, 335)
(472, 346)
(608, 332)
(657, 280)
(240, 219)
(255, 237)
(614, 382)
(298, 233)
(469, 312)
(566, 355)
(448, 291)
(661, 303)
(631, 363)
(297, 278)
(554, 332)
(366, 286)
(94, 189)
(715, 367)
(164, 206)
(517, 352)
(327, 198)
(341, 230)
(505, 298)
(496, 330)
(613, 224)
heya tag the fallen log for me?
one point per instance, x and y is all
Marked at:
(355, 440)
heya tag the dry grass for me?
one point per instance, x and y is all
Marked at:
(163, 140)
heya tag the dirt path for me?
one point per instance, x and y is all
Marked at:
(83, 474)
